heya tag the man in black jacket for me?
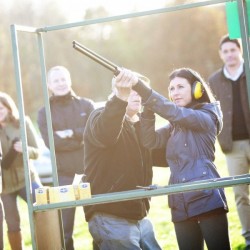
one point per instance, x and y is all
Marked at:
(230, 87)
(69, 114)
(115, 161)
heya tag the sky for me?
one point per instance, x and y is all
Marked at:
(76, 8)
(112, 5)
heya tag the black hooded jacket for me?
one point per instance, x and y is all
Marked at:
(115, 160)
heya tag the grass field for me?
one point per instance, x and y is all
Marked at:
(159, 214)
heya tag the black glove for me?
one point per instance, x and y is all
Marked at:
(10, 156)
(147, 113)
(159, 157)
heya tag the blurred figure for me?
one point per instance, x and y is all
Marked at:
(1, 204)
(194, 120)
(230, 87)
(69, 114)
(12, 166)
(115, 161)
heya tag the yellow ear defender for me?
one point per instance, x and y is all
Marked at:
(197, 90)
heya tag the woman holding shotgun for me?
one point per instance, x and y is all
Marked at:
(194, 120)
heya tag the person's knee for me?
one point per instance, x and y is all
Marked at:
(241, 198)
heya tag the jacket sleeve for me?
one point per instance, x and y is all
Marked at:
(32, 139)
(152, 138)
(10, 157)
(105, 124)
(78, 132)
(194, 119)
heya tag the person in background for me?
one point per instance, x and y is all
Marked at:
(115, 161)
(1, 203)
(194, 120)
(13, 175)
(69, 114)
(230, 87)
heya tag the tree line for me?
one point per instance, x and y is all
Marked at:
(152, 45)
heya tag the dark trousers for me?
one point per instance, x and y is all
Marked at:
(213, 229)
(68, 216)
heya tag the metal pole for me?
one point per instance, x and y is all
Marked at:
(23, 130)
(49, 125)
(243, 18)
(132, 15)
(138, 194)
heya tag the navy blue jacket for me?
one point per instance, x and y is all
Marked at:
(189, 138)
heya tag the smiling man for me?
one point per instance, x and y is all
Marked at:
(69, 114)
(229, 85)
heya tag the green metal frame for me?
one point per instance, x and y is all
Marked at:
(112, 197)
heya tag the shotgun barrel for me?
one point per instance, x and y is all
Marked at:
(97, 58)
(103, 61)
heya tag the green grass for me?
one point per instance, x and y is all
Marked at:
(159, 214)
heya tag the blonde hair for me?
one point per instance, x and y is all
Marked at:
(8, 102)
(55, 68)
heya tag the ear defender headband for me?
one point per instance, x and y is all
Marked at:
(197, 90)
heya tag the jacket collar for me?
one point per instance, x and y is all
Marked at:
(221, 70)
(64, 98)
(239, 73)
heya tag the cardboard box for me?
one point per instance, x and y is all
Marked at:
(84, 190)
(42, 195)
(61, 194)
(77, 191)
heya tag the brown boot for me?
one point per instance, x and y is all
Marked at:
(15, 240)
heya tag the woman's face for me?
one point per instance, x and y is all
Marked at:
(180, 91)
(3, 113)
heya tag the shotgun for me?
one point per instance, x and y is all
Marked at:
(105, 62)
(97, 58)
